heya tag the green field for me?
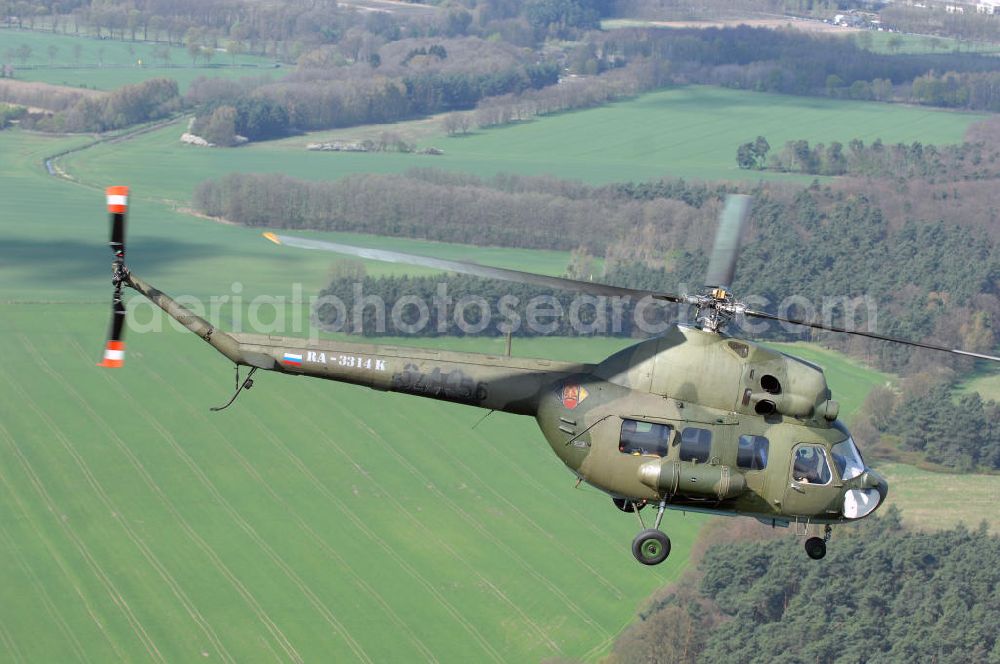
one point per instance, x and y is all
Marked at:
(936, 501)
(107, 64)
(691, 132)
(108, 78)
(924, 44)
(987, 383)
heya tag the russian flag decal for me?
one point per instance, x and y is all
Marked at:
(293, 359)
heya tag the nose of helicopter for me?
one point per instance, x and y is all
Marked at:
(863, 500)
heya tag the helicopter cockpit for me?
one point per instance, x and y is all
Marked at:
(831, 478)
(858, 502)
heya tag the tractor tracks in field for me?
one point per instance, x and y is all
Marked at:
(462, 513)
(359, 523)
(86, 554)
(147, 553)
(10, 544)
(325, 613)
(53, 553)
(252, 603)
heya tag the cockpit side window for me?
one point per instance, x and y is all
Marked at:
(696, 444)
(644, 438)
(811, 466)
(752, 453)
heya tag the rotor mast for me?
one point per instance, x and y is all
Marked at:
(717, 307)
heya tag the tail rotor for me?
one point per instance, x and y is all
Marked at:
(114, 350)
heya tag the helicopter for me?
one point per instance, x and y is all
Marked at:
(692, 420)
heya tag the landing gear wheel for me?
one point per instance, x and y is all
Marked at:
(628, 506)
(815, 548)
(651, 547)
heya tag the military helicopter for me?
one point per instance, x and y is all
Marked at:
(692, 420)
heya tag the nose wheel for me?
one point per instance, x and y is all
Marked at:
(816, 546)
(651, 546)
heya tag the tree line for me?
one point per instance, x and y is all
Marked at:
(884, 593)
(461, 305)
(831, 245)
(150, 100)
(799, 63)
(932, 20)
(965, 161)
(40, 95)
(450, 75)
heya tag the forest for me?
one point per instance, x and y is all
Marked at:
(960, 431)
(654, 235)
(884, 594)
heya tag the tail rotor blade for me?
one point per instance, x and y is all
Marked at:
(114, 349)
(117, 209)
(728, 239)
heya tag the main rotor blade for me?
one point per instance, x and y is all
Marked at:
(728, 238)
(871, 335)
(504, 274)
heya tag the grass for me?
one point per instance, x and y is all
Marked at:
(690, 132)
(936, 501)
(912, 44)
(108, 64)
(986, 382)
(110, 78)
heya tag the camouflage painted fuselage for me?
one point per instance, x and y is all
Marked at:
(686, 379)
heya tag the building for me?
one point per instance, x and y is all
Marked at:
(988, 7)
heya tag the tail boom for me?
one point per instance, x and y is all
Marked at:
(495, 382)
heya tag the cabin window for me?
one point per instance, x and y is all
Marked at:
(752, 453)
(644, 438)
(811, 466)
(696, 444)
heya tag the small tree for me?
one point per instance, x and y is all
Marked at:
(221, 127)
(22, 53)
(744, 156)
(450, 123)
(760, 149)
(235, 48)
(161, 54)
